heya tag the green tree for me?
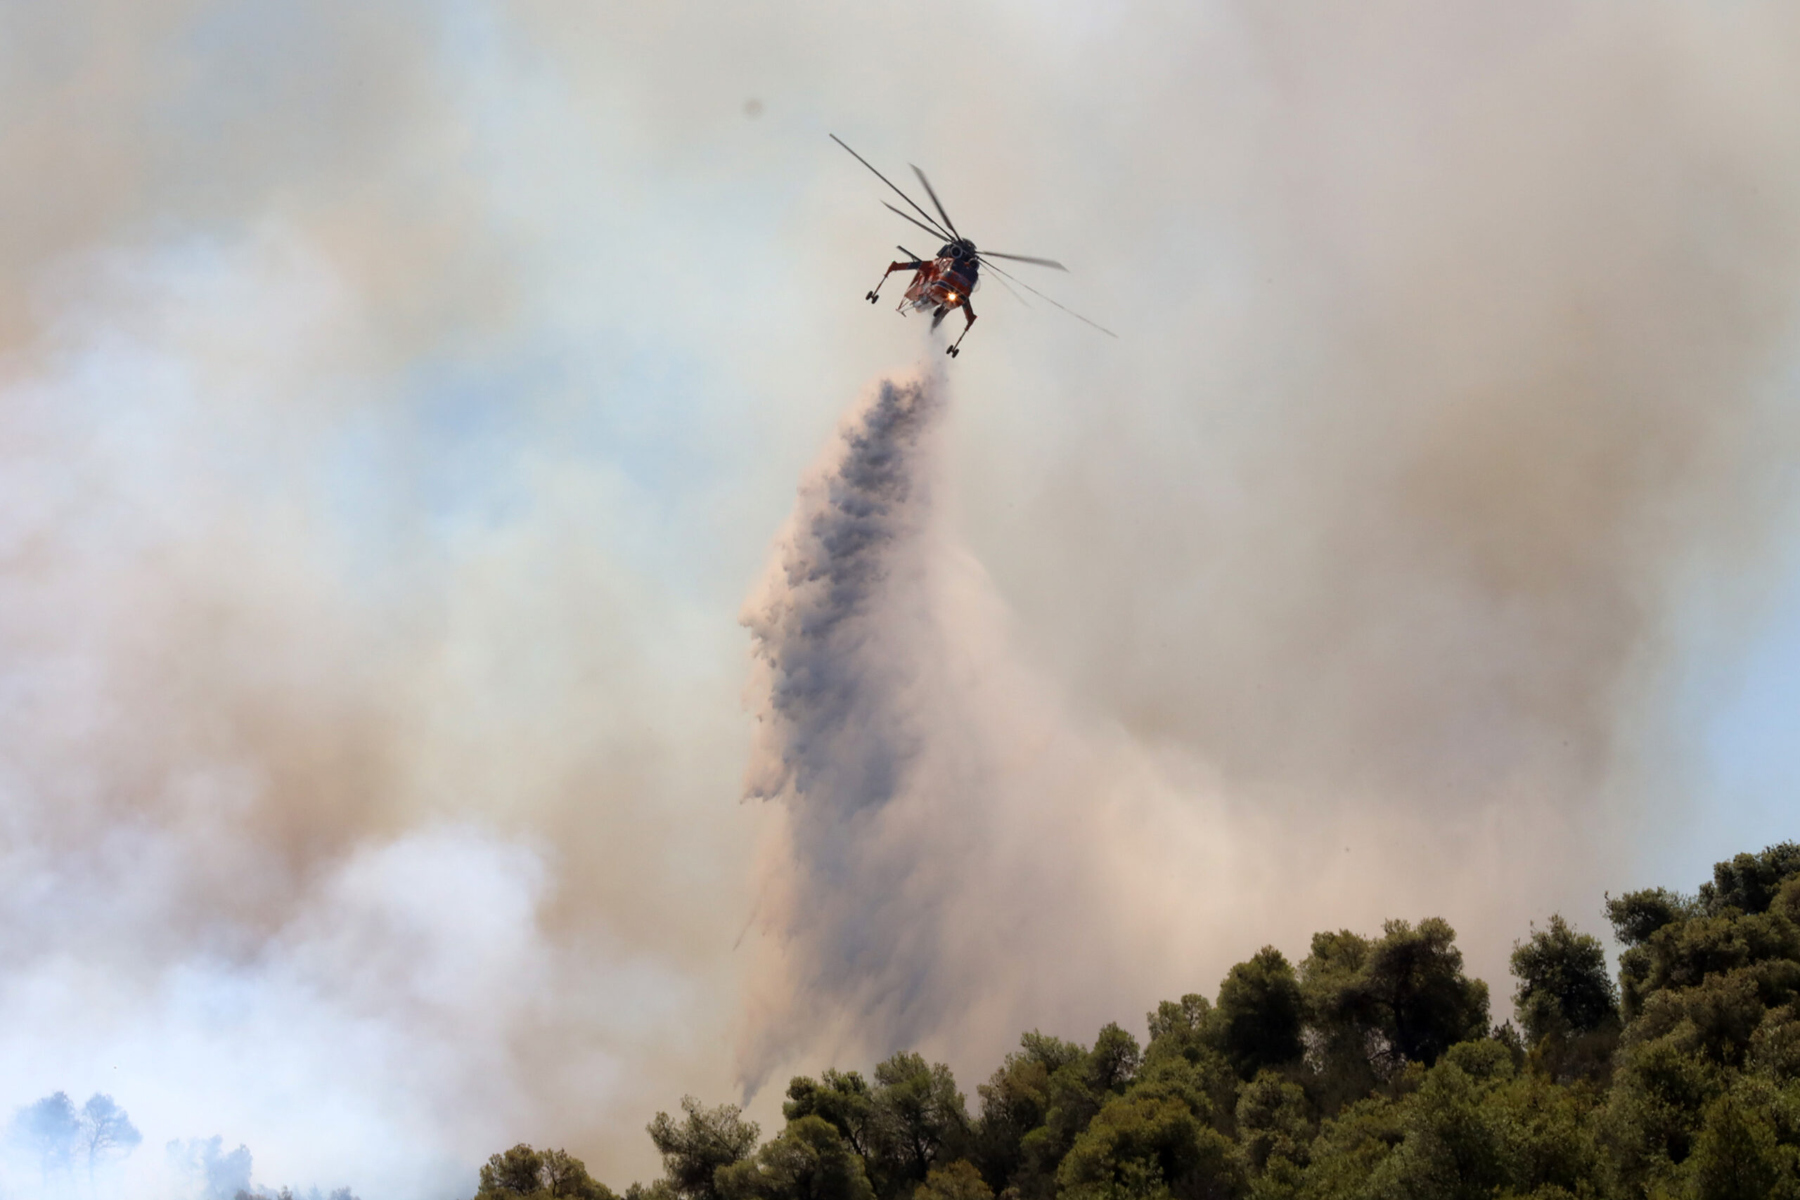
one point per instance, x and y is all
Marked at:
(539, 1175)
(1455, 1145)
(1637, 915)
(841, 1098)
(1147, 1148)
(1775, 1046)
(1563, 984)
(1273, 1121)
(810, 1160)
(694, 1148)
(1739, 919)
(1181, 1021)
(1738, 1155)
(1351, 1147)
(1344, 1020)
(1427, 1002)
(1654, 1107)
(957, 1181)
(1015, 1101)
(918, 1118)
(1565, 1001)
(1750, 882)
(1113, 1062)
(1260, 1013)
(1374, 1006)
(1031, 1110)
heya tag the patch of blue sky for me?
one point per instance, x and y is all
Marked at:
(459, 449)
(1751, 746)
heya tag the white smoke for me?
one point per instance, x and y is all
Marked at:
(266, 871)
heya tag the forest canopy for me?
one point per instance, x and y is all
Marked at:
(1371, 1068)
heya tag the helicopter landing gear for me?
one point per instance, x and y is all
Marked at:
(913, 265)
(955, 348)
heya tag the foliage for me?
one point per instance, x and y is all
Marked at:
(695, 1148)
(1148, 1147)
(842, 1099)
(1369, 1072)
(809, 1160)
(1567, 1004)
(918, 1117)
(1261, 1013)
(539, 1175)
(957, 1181)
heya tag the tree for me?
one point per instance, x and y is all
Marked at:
(1738, 1155)
(841, 1098)
(1272, 1121)
(217, 1175)
(1181, 1020)
(50, 1130)
(515, 1172)
(1749, 882)
(1685, 953)
(694, 1149)
(918, 1116)
(1565, 1001)
(1563, 984)
(1145, 1149)
(1260, 1011)
(1428, 1003)
(105, 1132)
(540, 1175)
(1352, 1146)
(1637, 915)
(1013, 1103)
(1113, 1062)
(1344, 1020)
(1455, 1145)
(809, 1161)
(957, 1181)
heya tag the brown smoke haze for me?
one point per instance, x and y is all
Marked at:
(398, 401)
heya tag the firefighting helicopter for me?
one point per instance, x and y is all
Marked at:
(946, 281)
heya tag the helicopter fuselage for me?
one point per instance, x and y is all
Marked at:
(944, 282)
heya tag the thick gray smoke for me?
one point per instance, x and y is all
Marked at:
(847, 657)
(953, 852)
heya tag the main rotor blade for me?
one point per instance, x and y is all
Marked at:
(935, 202)
(1010, 290)
(931, 229)
(909, 253)
(1042, 262)
(865, 162)
(1103, 329)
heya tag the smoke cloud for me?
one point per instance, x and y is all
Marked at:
(396, 400)
(957, 856)
(1384, 606)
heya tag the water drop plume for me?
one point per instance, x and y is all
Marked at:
(938, 821)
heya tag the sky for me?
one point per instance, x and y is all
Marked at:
(496, 635)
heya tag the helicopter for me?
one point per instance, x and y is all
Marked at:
(947, 280)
